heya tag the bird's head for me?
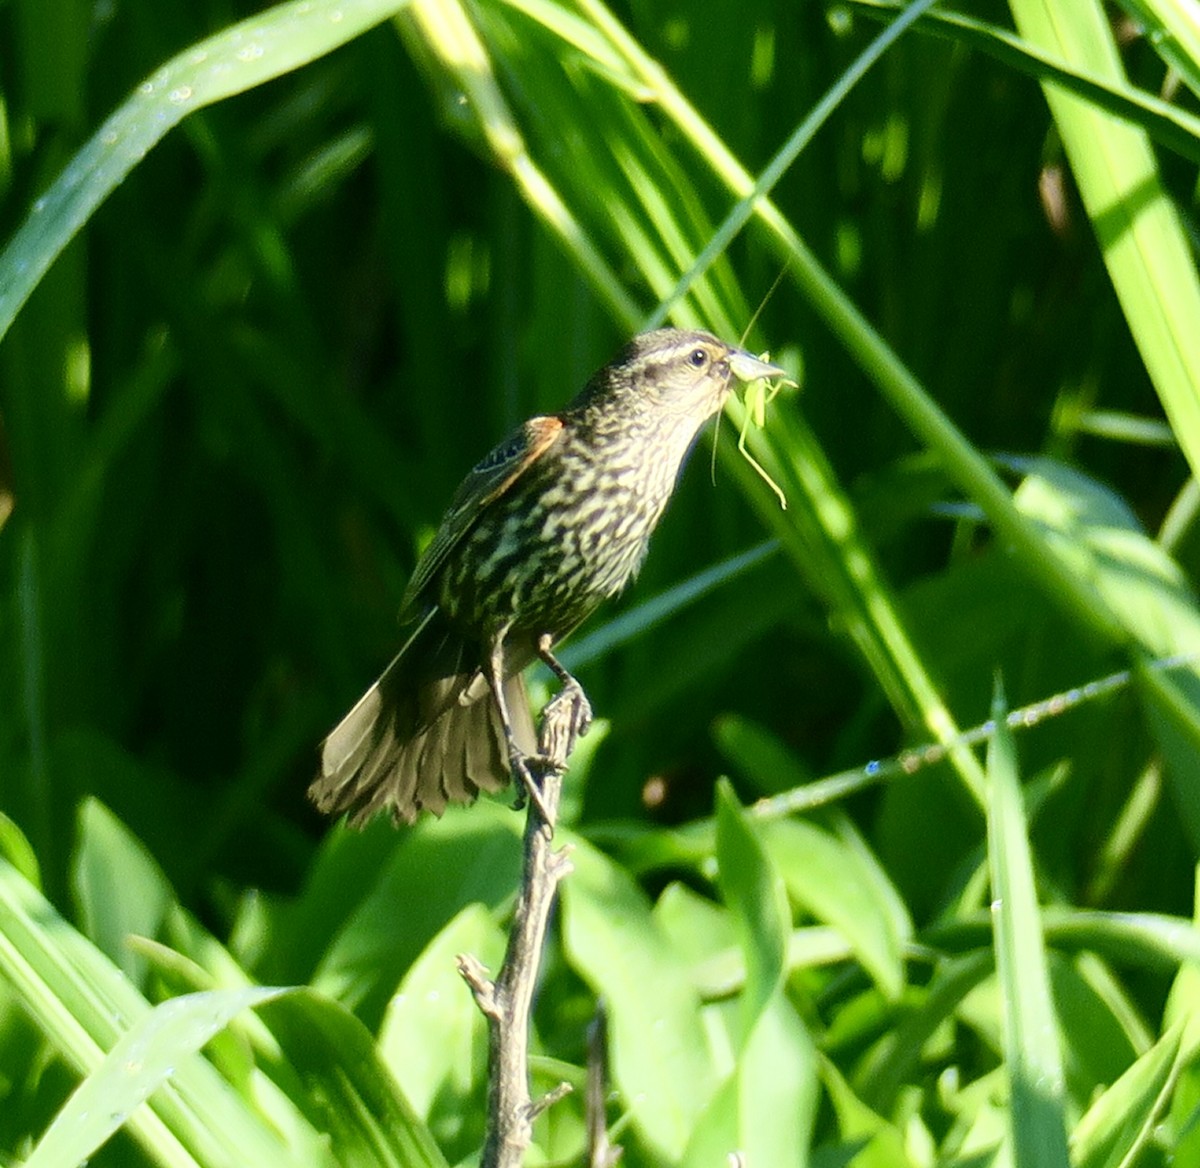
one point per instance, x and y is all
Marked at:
(681, 372)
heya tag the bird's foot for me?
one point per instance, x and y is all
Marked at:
(580, 720)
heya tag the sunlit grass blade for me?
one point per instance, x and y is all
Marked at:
(142, 1059)
(1173, 29)
(1144, 245)
(453, 39)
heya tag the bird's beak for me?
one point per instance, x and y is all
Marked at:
(747, 367)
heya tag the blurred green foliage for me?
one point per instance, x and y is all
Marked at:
(234, 406)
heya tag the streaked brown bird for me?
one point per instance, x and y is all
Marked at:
(553, 521)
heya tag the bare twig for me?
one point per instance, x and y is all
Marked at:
(600, 1153)
(507, 1001)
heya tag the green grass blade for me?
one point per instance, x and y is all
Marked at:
(119, 888)
(1167, 124)
(786, 155)
(839, 884)
(1172, 27)
(1032, 1058)
(648, 613)
(236, 59)
(84, 1005)
(1119, 1124)
(140, 1062)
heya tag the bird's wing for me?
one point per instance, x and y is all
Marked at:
(485, 483)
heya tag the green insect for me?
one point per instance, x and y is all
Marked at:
(758, 395)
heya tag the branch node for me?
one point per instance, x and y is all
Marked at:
(558, 864)
(537, 1106)
(475, 974)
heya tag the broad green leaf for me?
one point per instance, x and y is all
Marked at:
(696, 927)
(840, 886)
(659, 1060)
(1093, 531)
(120, 889)
(433, 1036)
(764, 1110)
(754, 893)
(346, 1089)
(437, 869)
(776, 1063)
(777, 1087)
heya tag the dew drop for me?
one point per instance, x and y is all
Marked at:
(179, 95)
(250, 53)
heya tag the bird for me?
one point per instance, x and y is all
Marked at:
(552, 522)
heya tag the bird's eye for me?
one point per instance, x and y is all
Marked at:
(698, 358)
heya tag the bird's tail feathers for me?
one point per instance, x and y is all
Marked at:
(417, 742)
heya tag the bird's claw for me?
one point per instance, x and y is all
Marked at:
(581, 710)
(523, 768)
